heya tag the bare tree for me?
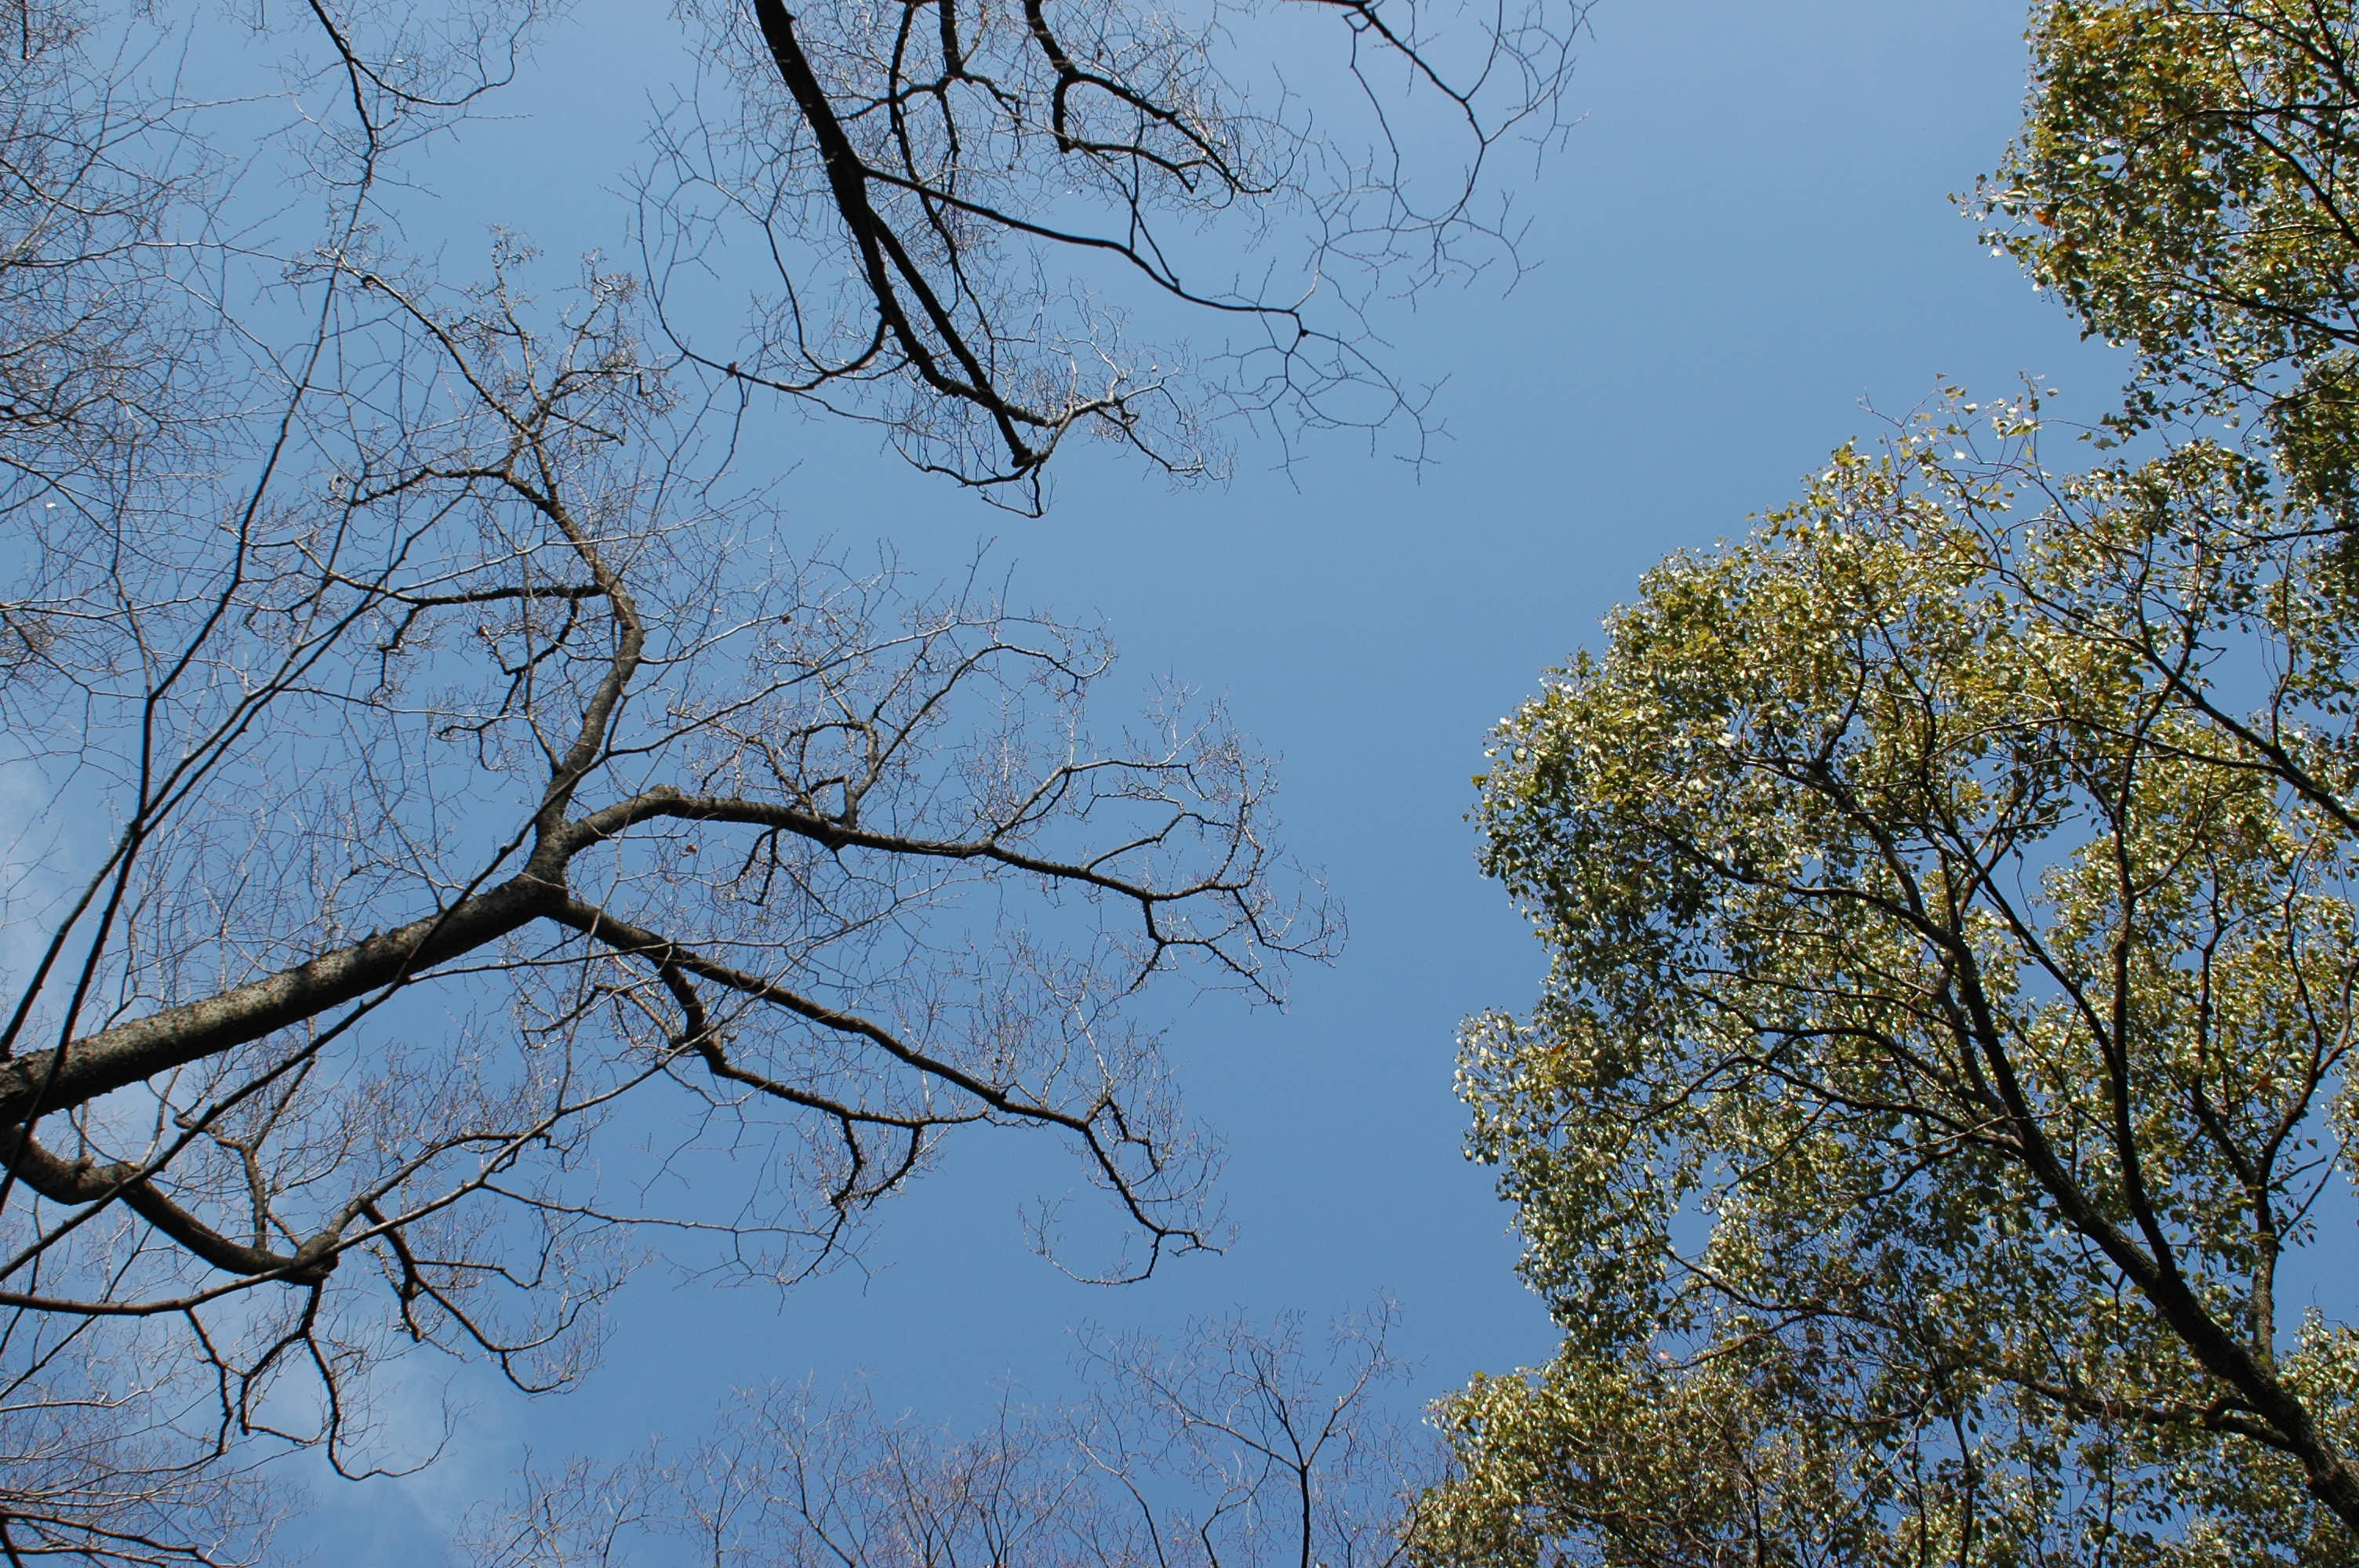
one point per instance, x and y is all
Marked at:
(1242, 1446)
(498, 791)
(986, 226)
(425, 752)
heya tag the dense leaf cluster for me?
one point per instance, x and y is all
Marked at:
(1939, 1109)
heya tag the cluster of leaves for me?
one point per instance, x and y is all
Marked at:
(2186, 183)
(1940, 1103)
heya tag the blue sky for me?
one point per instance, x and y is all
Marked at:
(1746, 241)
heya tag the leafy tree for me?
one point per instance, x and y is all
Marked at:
(1949, 1013)
(1932, 1131)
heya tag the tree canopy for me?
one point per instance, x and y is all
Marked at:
(1938, 1111)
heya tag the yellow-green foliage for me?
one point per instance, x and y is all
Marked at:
(2188, 181)
(1939, 1109)
(1950, 890)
